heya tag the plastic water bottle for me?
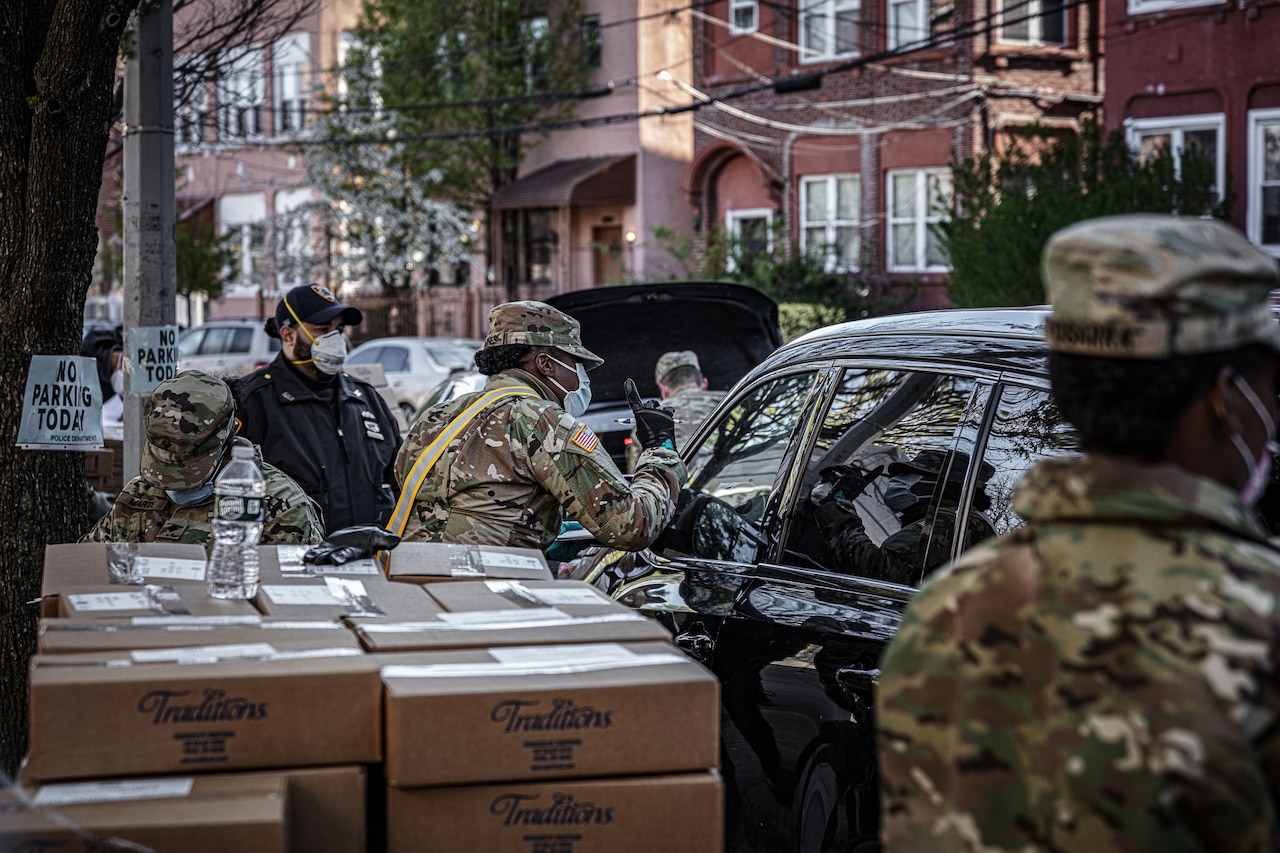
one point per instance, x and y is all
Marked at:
(237, 527)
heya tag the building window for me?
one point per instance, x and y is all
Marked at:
(193, 104)
(744, 16)
(533, 33)
(240, 96)
(528, 245)
(244, 215)
(920, 23)
(918, 201)
(749, 236)
(591, 41)
(1142, 7)
(1202, 134)
(1033, 22)
(1264, 179)
(829, 219)
(828, 28)
(290, 59)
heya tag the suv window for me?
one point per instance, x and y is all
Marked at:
(394, 359)
(882, 486)
(189, 343)
(736, 470)
(368, 355)
(216, 340)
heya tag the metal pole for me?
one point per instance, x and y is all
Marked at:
(149, 254)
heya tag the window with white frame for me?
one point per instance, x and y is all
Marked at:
(828, 28)
(1033, 22)
(1202, 134)
(829, 219)
(744, 16)
(245, 215)
(240, 95)
(1142, 7)
(1264, 179)
(918, 201)
(193, 103)
(533, 33)
(920, 22)
(290, 58)
(293, 238)
(749, 235)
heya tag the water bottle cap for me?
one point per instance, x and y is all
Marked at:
(241, 451)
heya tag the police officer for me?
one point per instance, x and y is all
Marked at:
(514, 459)
(923, 493)
(327, 429)
(1105, 678)
(189, 428)
(683, 388)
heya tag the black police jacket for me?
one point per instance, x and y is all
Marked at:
(340, 444)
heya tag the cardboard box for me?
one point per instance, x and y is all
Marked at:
(432, 562)
(210, 814)
(107, 714)
(80, 564)
(327, 812)
(62, 636)
(338, 597)
(104, 468)
(283, 564)
(674, 814)
(481, 614)
(546, 712)
(127, 601)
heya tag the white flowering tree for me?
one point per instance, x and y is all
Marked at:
(380, 205)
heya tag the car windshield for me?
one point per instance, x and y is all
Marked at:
(452, 357)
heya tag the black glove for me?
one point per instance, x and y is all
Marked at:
(655, 423)
(351, 543)
(845, 482)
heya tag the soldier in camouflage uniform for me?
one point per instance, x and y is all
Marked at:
(1105, 678)
(523, 463)
(190, 427)
(684, 390)
(926, 507)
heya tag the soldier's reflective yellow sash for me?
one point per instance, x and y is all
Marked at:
(432, 452)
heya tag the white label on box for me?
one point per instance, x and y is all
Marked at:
(500, 670)
(565, 597)
(297, 594)
(317, 653)
(355, 567)
(290, 558)
(169, 568)
(88, 602)
(582, 653)
(193, 621)
(70, 793)
(343, 589)
(499, 560)
(298, 625)
(493, 617)
(202, 654)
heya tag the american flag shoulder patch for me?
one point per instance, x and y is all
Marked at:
(586, 439)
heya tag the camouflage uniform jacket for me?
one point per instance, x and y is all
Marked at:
(144, 513)
(1103, 679)
(505, 480)
(691, 405)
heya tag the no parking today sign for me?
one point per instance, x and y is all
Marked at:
(61, 407)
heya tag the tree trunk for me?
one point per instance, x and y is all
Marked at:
(57, 73)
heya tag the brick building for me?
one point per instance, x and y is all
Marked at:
(859, 165)
(1204, 75)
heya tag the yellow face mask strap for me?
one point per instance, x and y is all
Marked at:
(302, 326)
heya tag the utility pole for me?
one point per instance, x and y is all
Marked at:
(149, 253)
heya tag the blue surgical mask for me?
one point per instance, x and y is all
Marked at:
(576, 401)
(192, 497)
(897, 492)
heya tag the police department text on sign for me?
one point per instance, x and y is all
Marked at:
(153, 357)
(60, 407)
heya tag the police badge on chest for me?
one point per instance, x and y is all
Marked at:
(371, 426)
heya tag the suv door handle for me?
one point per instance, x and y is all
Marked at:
(696, 641)
(857, 680)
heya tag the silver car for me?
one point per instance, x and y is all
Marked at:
(414, 366)
(227, 347)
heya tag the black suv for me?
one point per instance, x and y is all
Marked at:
(754, 581)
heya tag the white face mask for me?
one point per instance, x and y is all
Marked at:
(329, 352)
(1260, 468)
(117, 382)
(576, 401)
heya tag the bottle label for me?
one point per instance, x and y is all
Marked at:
(238, 508)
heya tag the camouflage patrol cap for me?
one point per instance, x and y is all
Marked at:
(672, 360)
(1151, 286)
(538, 324)
(188, 423)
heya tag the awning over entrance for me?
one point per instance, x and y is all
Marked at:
(591, 181)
